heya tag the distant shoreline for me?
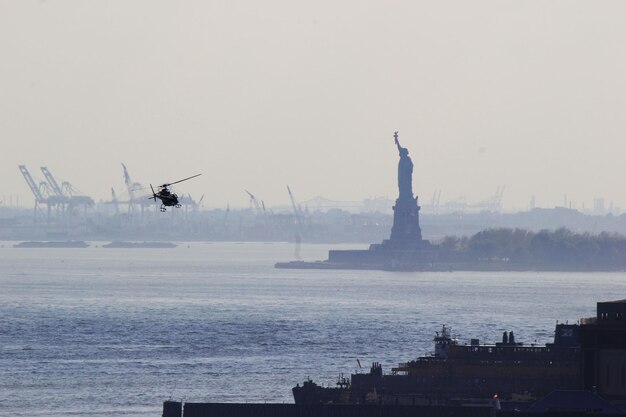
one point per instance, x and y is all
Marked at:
(444, 267)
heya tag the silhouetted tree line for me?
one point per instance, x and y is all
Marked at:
(558, 249)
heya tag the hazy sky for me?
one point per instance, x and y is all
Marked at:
(259, 94)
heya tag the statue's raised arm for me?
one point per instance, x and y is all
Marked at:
(395, 137)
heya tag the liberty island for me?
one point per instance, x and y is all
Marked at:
(404, 250)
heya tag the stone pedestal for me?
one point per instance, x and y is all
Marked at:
(406, 232)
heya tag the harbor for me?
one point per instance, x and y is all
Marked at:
(216, 323)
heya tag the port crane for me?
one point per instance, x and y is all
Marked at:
(132, 187)
(255, 202)
(114, 201)
(297, 211)
(39, 191)
(50, 193)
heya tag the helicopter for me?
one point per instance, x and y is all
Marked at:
(168, 198)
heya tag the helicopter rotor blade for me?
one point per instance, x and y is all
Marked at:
(185, 179)
(153, 193)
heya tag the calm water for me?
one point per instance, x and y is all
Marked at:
(89, 332)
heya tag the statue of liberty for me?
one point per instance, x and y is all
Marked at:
(405, 172)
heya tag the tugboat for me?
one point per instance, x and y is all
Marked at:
(311, 393)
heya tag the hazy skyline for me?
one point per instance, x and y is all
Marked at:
(257, 95)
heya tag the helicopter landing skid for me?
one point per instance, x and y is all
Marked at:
(163, 209)
(178, 206)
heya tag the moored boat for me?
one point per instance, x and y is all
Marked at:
(52, 244)
(120, 244)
